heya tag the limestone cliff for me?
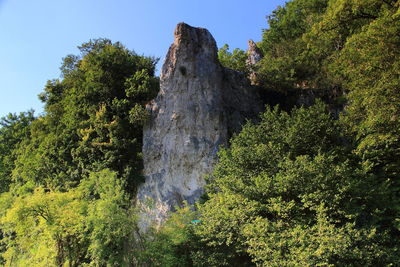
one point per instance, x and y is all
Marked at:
(199, 106)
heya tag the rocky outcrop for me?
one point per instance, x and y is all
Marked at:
(254, 55)
(199, 106)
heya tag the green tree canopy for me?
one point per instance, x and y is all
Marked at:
(289, 192)
(91, 225)
(93, 118)
(14, 129)
(235, 60)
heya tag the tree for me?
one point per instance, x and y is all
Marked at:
(14, 129)
(235, 60)
(287, 64)
(94, 118)
(369, 68)
(110, 219)
(289, 192)
(91, 224)
(72, 171)
(174, 244)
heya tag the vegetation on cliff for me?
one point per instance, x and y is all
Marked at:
(301, 187)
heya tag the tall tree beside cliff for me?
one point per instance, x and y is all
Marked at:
(93, 120)
(289, 192)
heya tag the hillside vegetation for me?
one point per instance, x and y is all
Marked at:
(302, 187)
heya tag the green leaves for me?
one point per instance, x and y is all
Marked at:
(235, 60)
(14, 129)
(141, 86)
(72, 171)
(289, 191)
(109, 220)
(91, 223)
(287, 64)
(173, 244)
(298, 188)
(94, 118)
(47, 227)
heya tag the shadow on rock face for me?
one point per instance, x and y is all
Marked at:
(199, 106)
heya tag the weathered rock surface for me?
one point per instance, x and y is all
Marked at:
(254, 55)
(199, 106)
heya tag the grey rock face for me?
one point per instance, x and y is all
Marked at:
(254, 55)
(200, 104)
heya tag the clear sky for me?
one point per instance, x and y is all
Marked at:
(36, 34)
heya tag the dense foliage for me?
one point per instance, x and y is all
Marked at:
(235, 60)
(85, 226)
(14, 129)
(67, 177)
(93, 120)
(304, 186)
(289, 192)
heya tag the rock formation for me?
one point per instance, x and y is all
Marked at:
(254, 55)
(199, 106)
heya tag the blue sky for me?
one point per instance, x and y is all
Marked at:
(36, 35)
